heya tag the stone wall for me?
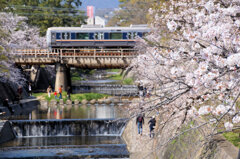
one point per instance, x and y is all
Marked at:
(186, 146)
(6, 132)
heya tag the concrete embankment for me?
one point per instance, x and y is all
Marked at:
(186, 146)
(6, 132)
(25, 106)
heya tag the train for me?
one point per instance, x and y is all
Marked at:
(95, 36)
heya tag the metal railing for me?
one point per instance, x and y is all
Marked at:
(74, 53)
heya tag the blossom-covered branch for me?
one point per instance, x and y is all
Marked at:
(198, 63)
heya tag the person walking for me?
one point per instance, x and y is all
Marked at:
(30, 88)
(5, 103)
(60, 92)
(140, 122)
(152, 123)
(49, 91)
(55, 94)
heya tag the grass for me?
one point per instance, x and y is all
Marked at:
(114, 70)
(127, 81)
(76, 79)
(233, 138)
(116, 77)
(80, 97)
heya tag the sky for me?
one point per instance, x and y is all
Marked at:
(100, 4)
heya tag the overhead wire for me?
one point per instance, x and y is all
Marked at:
(68, 11)
(37, 7)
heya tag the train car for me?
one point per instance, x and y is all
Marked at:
(95, 36)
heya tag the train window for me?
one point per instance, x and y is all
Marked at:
(106, 35)
(65, 35)
(73, 36)
(58, 36)
(140, 34)
(115, 35)
(82, 36)
(91, 35)
(125, 35)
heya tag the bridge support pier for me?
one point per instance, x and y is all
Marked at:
(33, 74)
(62, 76)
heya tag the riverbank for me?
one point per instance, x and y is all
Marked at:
(80, 97)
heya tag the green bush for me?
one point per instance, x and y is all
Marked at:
(76, 79)
(128, 81)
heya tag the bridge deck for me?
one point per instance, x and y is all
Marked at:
(84, 58)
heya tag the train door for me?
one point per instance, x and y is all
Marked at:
(65, 35)
(53, 38)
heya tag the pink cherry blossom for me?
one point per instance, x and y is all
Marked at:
(193, 52)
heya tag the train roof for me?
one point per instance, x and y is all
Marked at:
(99, 28)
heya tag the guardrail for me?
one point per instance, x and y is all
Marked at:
(74, 53)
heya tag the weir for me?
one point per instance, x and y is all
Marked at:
(66, 138)
(68, 127)
(111, 89)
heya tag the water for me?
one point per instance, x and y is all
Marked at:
(62, 140)
(97, 111)
(70, 131)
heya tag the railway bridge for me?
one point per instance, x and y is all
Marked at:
(64, 59)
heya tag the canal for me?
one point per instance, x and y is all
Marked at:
(68, 131)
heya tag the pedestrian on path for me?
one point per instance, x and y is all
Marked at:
(152, 123)
(60, 92)
(5, 103)
(140, 122)
(55, 94)
(30, 88)
(49, 91)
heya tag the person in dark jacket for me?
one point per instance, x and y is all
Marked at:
(140, 122)
(5, 103)
(152, 123)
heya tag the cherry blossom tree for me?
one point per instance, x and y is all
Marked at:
(191, 58)
(15, 34)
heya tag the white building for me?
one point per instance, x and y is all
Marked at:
(96, 21)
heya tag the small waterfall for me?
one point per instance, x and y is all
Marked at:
(68, 127)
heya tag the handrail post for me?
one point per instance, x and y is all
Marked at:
(94, 55)
(74, 54)
(61, 54)
(121, 53)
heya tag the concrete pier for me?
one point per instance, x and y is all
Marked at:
(62, 76)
